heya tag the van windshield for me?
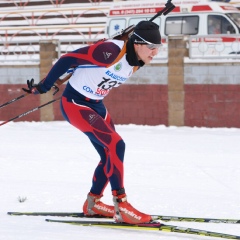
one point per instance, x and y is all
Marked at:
(235, 17)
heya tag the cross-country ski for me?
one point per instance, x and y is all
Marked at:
(155, 217)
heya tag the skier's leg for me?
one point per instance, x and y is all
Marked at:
(101, 132)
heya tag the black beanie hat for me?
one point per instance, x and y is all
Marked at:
(147, 30)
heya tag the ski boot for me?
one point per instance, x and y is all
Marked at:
(93, 206)
(125, 212)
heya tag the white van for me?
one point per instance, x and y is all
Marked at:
(190, 17)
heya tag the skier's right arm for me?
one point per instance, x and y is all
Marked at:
(93, 54)
(59, 68)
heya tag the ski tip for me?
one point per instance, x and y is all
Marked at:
(53, 220)
(19, 213)
(12, 213)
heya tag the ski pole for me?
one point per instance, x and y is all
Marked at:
(58, 82)
(14, 100)
(30, 111)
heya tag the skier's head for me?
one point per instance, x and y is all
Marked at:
(147, 40)
(147, 33)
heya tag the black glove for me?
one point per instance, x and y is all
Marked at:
(33, 88)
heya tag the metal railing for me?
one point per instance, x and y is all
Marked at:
(214, 47)
(200, 47)
(16, 51)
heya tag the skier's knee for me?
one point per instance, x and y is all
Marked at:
(120, 149)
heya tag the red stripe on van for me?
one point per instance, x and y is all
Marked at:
(215, 39)
(131, 11)
(176, 9)
(201, 8)
(229, 8)
(229, 39)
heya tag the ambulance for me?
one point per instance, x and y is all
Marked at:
(200, 18)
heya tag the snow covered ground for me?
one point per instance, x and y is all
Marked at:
(183, 171)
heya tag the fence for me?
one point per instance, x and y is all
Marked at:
(22, 28)
(214, 47)
(200, 47)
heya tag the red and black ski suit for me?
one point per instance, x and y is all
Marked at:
(98, 68)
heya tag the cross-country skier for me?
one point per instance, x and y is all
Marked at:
(98, 68)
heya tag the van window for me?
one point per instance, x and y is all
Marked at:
(187, 25)
(235, 17)
(219, 25)
(116, 26)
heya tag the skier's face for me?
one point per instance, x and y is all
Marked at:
(145, 53)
